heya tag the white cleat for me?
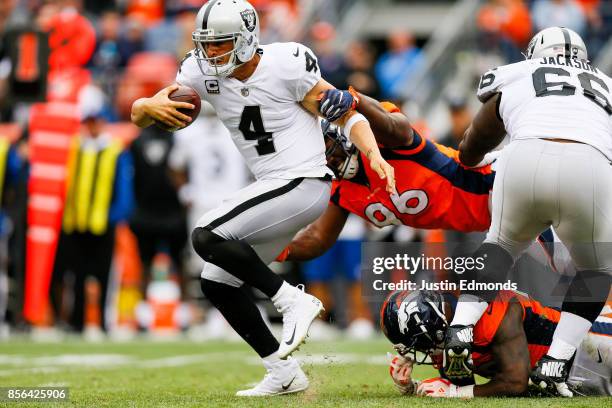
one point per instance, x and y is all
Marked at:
(283, 377)
(299, 310)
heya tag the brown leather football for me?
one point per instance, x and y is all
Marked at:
(184, 94)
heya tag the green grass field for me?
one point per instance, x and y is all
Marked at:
(188, 374)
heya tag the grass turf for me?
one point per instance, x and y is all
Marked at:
(188, 374)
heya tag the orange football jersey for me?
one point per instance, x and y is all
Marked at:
(539, 323)
(434, 191)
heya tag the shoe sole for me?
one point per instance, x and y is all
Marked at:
(317, 313)
(293, 391)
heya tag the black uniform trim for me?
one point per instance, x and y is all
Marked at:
(568, 42)
(268, 195)
(211, 4)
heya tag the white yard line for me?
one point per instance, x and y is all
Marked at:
(62, 362)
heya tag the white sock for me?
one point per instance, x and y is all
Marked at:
(284, 294)
(272, 358)
(469, 310)
(570, 332)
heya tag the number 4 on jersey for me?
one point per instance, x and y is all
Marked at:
(252, 127)
(311, 63)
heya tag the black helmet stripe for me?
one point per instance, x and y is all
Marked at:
(568, 42)
(209, 7)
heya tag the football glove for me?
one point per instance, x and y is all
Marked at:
(400, 369)
(442, 388)
(334, 103)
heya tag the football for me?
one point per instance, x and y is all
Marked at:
(184, 94)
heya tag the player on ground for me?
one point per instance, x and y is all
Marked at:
(509, 339)
(267, 96)
(555, 107)
(433, 189)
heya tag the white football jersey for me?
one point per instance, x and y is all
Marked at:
(277, 137)
(216, 168)
(550, 98)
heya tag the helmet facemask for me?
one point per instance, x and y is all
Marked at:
(211, 65)
(416, 323)
(341, 154)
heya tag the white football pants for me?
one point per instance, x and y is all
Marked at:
(541, 183)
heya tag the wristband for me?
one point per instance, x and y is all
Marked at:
(357, 117)
(466, 391)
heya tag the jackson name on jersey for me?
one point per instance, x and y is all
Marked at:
(553, 97)
(276, 136)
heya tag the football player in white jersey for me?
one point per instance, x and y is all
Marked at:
(267, 96)
(555, 107)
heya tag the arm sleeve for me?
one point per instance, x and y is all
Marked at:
(490, 84)
(302, 70)
(188, 71)
(494, 81)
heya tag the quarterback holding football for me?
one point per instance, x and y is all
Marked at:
(268, 98)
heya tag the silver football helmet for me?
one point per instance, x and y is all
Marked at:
(553, 41)
(225, 20)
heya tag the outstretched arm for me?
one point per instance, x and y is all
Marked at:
(391, 129)
(511, 355)
(484, 134)
(360, 134)
(315, 239)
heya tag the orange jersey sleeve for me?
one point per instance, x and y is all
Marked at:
(433, 190)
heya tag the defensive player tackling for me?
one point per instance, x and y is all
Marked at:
(514, 333)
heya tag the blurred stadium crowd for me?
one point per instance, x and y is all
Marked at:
(133, 268)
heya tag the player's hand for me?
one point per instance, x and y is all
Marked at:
(384, 170)
(467, 157)
(162, 109)
(400, 369)
(335, 103)
(437, 387)
(489, 158)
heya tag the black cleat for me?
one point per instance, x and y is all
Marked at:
(457, 365)
(550, 374)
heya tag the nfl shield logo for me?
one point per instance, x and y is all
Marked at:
(248, 16)
(244, 92)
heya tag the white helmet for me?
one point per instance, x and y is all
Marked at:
(225, 20)
(553, 41)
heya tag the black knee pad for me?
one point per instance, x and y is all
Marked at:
(587, 294)
(202, 240)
